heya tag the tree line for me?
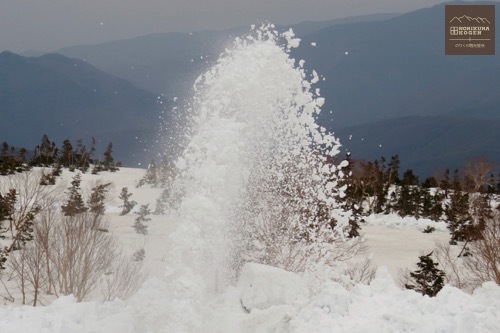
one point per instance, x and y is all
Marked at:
(462, 199)
(74, 156)
(56, 242)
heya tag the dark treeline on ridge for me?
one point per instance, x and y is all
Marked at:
(464, 200)
(75, 156)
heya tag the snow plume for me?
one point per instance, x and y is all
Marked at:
(256, 174)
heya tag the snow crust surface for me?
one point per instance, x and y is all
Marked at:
(378, 307)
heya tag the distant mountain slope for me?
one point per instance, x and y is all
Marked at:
(69, 98)
(397, 67)
(375, 68)
(164, 62)
(425, 144)
(170, 62)
(308, 27)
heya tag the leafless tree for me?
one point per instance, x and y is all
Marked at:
(79, 254)
(123, 279)
(361, 271)
(449, 261)
(28, 268)
(68, 254)
(31, 198)
(476, 173)
(483, 263)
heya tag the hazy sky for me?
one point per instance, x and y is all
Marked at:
(47, 25)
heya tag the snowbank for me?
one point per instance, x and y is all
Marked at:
(378, 307)
(382, 307)
(395, 221)
(263, 286)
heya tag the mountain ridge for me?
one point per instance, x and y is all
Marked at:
(437, 143)
(375, 70)
(69, 98)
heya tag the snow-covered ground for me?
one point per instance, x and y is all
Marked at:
(277, 302)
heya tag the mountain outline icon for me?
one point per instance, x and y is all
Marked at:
(480, 20)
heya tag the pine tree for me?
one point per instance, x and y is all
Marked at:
(409, 197)
(410, 179)
(151, 177)
(458, 216)
(497, 187)
(142, 217)
(428, 279)
(456, 185)
(25, 231)
(445, 183)
(3, 258)
(490, 189)
(381, 188)
(67, 158)
(437, 210)
(427, 203)
(161, 204)
(81, 156)
(354, 220)
(431, 199)
(96, 200)
(348, 202)
(7, 162)
(392, 174)
(481, 212)
(392, 203)
(127, 204)
(4, 214)
(45, 153)
(7, 209)
(75, 204)
(50, 178)
(109, 162)
(139, 255)
(22, 155)
(24, 228)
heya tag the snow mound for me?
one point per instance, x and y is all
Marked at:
(378, 307)
(395, 221)
(264, 286)
(382, 307)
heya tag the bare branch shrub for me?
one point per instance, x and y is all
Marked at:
(287, 218)
(483, 263)
(348, 269)
(80, 254)
(361, 271)
(7, 297)
(72, 255)
(44, 229)
(452, 265)
(123, 279)
(31, 198)
(64, 254)
(476, 172)
(28, 268)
